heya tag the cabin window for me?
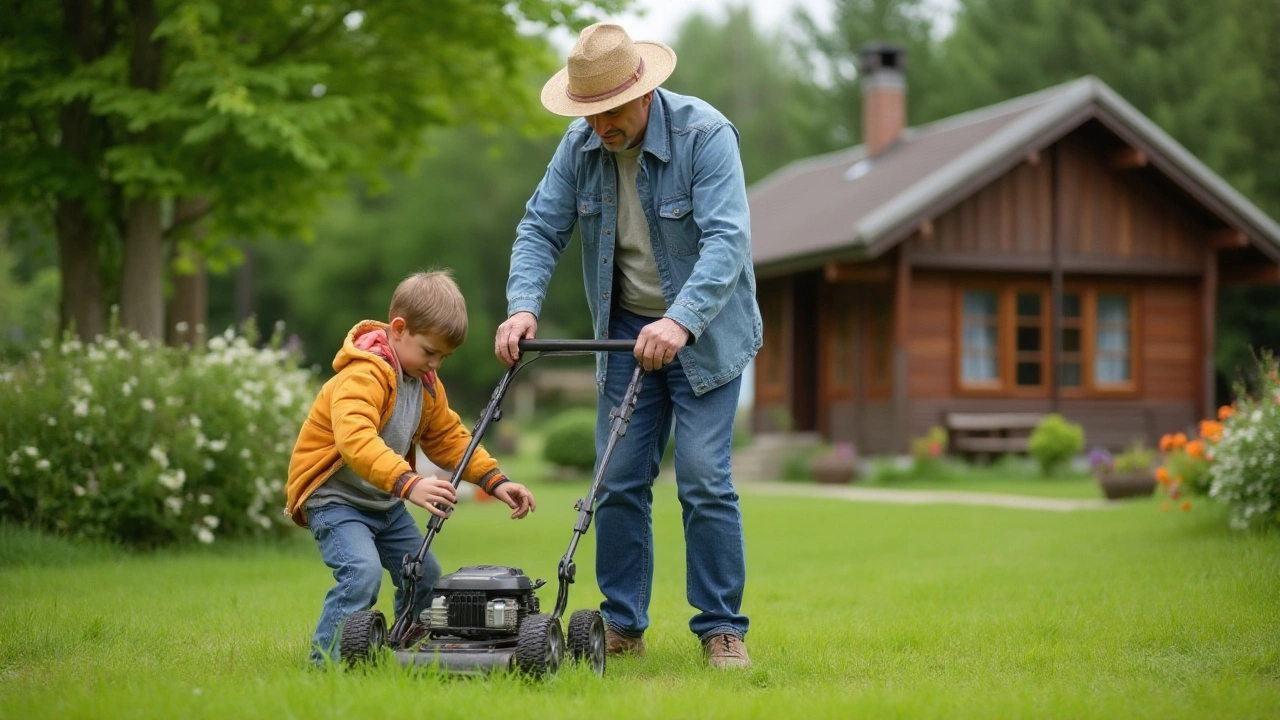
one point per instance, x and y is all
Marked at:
(981, 331)
(1005, 348)
(1112, 362)
(1071, 361)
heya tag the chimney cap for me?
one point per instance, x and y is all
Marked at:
(882, 56)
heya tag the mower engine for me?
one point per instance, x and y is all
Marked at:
(481, 602)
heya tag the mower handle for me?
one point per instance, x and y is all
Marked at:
(533, 344)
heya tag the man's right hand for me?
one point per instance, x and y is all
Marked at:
(506, 345)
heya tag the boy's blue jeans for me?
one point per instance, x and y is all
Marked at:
(715, 557)
(358, 544)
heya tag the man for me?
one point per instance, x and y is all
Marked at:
(654, 182)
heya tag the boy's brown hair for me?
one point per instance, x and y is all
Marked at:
(431, 302)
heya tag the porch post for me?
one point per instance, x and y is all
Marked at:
(901, 311)
(1055, 249)
(1209, 331)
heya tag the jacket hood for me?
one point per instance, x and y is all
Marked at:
(351, 353)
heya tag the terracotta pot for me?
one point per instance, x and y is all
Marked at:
(1117, 485)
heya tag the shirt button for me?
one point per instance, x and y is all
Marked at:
(604, 261)
(605, 296)
(584, 208)
(676, 212)
(608, 198)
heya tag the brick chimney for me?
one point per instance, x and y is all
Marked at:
(883, 70)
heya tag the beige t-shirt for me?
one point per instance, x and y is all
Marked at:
(640, 290)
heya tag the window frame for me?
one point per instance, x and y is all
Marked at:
(1006, 339)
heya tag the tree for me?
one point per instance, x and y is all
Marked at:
(780, 114)
(113, 114)
(907, 23)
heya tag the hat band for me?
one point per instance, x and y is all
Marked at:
(635, 78)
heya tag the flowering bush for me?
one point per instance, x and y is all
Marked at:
(150, 445)
(1245, 469)
(927, 450)
(1186, 462)
(1136, 459)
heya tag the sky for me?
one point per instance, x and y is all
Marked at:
(660, 19)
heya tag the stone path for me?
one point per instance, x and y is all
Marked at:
(920, 497)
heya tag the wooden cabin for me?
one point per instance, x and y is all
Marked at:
(1057, 252)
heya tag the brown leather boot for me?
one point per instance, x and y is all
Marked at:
(615, 643)
(725, 651)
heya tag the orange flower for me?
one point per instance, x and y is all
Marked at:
(1210, 430)
(1225, 412)
(1162, 475)
(1179, 441)
(1195, 449)
(1166, 443)
(1186, 505)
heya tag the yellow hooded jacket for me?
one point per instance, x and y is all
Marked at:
(346, 420)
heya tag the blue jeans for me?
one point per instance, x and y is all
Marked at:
(358, 544)
(715, 556)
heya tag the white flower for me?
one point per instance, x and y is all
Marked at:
(245, 454)
(173, 504)
(1256, 416)
(210, 521)
(31, 451)
(127, 389)
(208, 464)
(195, 421)
(157, 453)
(217, 343)
(80, 407)
(204, 535)
(118, 467)
(182, 327)
(218, 445)
(53, 421)
(265, 522)
(205, 499)
(174, 480)
(148, 404)
(42, 464)
(79, 491)
(173, 401)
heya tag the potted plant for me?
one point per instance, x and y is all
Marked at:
(1125, 475)
(838, 466)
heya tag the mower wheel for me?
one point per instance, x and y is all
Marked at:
(540, 647)
(364, 633)
(586, 639)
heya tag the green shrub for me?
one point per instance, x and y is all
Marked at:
(928, 451)
(571, 439)
(1054, 442)
(146, 445)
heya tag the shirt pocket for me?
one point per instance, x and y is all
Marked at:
(589, 218)
(676, 226)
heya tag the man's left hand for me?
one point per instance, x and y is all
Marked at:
(659, 342)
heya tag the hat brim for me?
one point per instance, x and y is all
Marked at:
(659, 63)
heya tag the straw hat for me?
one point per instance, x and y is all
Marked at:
(605, 70)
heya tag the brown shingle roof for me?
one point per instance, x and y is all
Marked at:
(842, 205)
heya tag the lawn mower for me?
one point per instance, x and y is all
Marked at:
(486, 618)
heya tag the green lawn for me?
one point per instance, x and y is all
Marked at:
(858, 610)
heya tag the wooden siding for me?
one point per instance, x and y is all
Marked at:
(1112, 220)
(931, 351)
(1171, 341)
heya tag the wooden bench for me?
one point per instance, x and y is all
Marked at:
(990, 433)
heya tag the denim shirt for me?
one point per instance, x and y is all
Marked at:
(694, 196)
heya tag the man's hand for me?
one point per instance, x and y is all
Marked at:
(658, 343)
(506, 344)
(429, 491)
(517, 497)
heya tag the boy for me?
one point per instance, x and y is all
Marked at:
(352, 466)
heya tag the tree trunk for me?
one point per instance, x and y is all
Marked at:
(80, 299)
(189, 304)
(142, 274)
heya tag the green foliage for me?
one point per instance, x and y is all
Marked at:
(571, 439)
(928, 451)
(130, 442)
(1245, 472)
(28, 310)
(1054, 442)
(1136, 458)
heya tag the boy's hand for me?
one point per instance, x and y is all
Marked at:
(429, 491)
(517, 497)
